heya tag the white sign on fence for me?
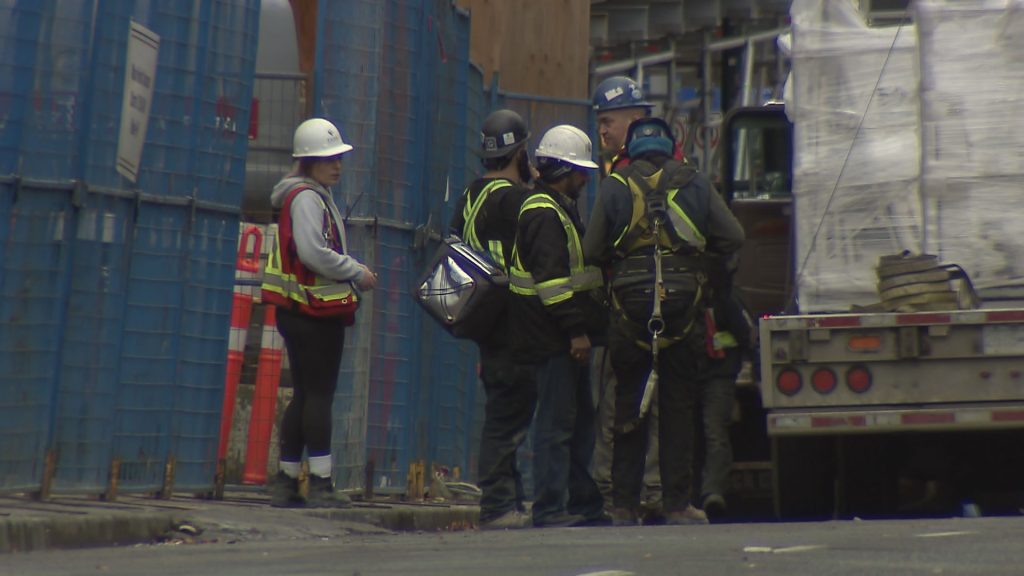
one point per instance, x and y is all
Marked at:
(139, 77)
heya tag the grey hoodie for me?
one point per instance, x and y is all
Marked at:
(307, 215)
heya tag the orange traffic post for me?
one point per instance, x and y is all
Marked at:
(264, 401)
(246, 276)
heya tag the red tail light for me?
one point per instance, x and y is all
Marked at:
(858, 379)
(789, 382)
(823, 380)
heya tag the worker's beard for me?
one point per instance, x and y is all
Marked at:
(523, 166)
(576, 186)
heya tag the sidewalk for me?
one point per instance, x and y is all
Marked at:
(77, 521)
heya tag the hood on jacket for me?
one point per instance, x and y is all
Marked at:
(281, 189)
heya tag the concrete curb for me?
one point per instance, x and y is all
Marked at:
(102, 529)
(409, 518)
(79, 522)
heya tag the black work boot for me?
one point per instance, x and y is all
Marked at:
(284, 492)
(321, 494)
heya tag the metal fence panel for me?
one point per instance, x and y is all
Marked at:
(206, 319)
(395, 75)
(150, 348)
(400, 111)
(90, 347)
(352, 395)
(31, 296)
(449, 365)
(221, 138)
(113, 320)
(392, 409)
(346, 89)
(19, 30)
(49, 137)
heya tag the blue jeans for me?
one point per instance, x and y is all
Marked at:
(563, 441)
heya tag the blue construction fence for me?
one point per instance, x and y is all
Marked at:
(397, 79)
(115, 296)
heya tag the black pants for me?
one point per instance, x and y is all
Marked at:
(314, 348)
(677, 368)
(511, 396)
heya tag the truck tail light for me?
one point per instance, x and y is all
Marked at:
(858, 379)
(823, 380)
(789, 381)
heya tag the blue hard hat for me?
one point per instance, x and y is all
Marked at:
(647, 135)
(619, 92)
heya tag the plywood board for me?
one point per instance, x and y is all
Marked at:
(537, 46)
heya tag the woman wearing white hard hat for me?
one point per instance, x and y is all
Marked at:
(314, 283)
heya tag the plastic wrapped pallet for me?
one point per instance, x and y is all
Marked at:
(972, 98)
(857, 151)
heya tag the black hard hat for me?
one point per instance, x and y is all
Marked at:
(502, 132)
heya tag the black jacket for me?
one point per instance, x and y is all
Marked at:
(539, 331)
(495, 221)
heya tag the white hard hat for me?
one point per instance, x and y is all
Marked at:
(318, 138)
(568, 144)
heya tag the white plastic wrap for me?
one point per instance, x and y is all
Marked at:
(972, 106)
(857, 149)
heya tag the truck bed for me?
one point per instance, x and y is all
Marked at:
(883, 372)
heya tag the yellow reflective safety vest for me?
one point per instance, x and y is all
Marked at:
(581, 277)
(288, 283)
(469, 214)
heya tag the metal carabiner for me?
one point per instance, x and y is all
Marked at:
(656, 325)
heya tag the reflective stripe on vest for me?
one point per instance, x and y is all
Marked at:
(469, 214)
(277, 281)
(580, 279)
(723, 340)
(681, 223)
(282, 285)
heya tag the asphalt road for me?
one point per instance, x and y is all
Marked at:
(954, 546)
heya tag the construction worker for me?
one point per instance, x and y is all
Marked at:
(728, 336)
(654, 222)
(618, 101)
(485, 217)
(310, 277)
(554, 305)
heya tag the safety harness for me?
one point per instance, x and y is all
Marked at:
(659, 223)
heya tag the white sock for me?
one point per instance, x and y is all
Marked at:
(320, 466)
(291, 469)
